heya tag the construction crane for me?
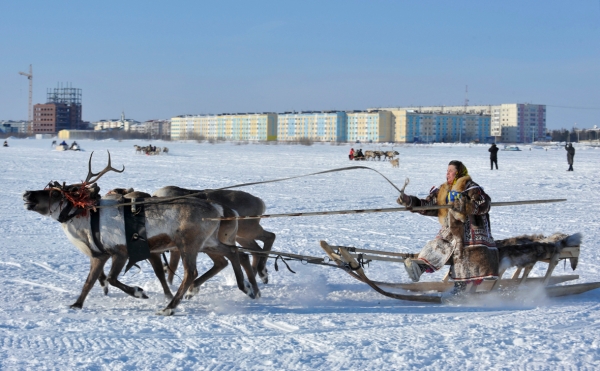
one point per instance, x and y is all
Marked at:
(30, 78)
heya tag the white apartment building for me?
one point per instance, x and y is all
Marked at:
(370, 127)
(327, 126)
(122, 123)
(240, 126)
(509, 123)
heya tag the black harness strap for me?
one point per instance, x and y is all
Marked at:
(64, 216)
(95, 224)
(284, 262)
(135, 232)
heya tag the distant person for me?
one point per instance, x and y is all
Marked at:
(570, 155)
(493, 156)
(63, 143)
(360, 155)
(351, 155)
(5, 144)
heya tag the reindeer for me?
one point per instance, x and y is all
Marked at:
(249, 230)
(390, 154)
(227, 231)
(395, 162)
(172, 224)
(165, 150)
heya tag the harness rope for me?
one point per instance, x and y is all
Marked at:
(192, 195)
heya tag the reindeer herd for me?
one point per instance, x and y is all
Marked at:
(372, 155)
(150, 150)
(178, 220)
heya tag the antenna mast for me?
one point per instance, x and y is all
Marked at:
(30, 113)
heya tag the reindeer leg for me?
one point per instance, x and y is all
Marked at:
(243, 285)
(219, 264)
(96, 268)
(189, 274)
(102, 280)
(154, 259)
(118, 262)
(267, 238)
(245, 262)
(250, 244)
(174, 258)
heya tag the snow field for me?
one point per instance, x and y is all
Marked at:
(318, 318)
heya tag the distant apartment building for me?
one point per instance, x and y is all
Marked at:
(372, 126)
(512, 122)
(120, 124)
(10, 126)
(152, 128)
(412, 125)
(325, 126)
(239, 126)
(62, 111)
(158, 128)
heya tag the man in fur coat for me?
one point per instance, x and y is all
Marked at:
(464, 240)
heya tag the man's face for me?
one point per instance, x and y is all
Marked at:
(451, 174)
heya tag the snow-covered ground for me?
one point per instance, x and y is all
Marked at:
(318, 318)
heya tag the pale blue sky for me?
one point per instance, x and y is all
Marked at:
(159, 59)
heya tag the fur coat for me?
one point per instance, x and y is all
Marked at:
(465, 240)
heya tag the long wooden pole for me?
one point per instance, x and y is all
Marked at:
(385, 210)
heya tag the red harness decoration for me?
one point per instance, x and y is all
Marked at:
(80, 197)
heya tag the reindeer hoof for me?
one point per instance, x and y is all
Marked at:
(191, 292)
(139, 293)
(166, 312)
(76, 306)
(104, 287)
(264, 277)
(248, 290)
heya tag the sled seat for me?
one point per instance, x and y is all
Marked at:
(571, 252)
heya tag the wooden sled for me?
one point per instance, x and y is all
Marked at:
(431, 292)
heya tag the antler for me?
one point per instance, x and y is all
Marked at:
(90, 178)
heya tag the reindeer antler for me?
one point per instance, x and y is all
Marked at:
(90, 178)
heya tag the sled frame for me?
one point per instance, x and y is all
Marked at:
(349, 258)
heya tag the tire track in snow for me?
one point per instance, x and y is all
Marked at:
(42, 343)
(50, 287)
(44, 266)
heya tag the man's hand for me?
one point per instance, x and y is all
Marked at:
(404, 200)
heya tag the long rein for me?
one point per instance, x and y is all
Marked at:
(162, 200)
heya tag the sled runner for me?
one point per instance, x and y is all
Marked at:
(353, 259)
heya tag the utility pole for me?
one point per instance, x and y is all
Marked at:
(30, 118)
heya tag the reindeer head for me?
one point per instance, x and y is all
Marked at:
(63, 202)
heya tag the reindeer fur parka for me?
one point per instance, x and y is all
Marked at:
(464, 240)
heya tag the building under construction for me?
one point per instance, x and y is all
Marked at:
(61, 111)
